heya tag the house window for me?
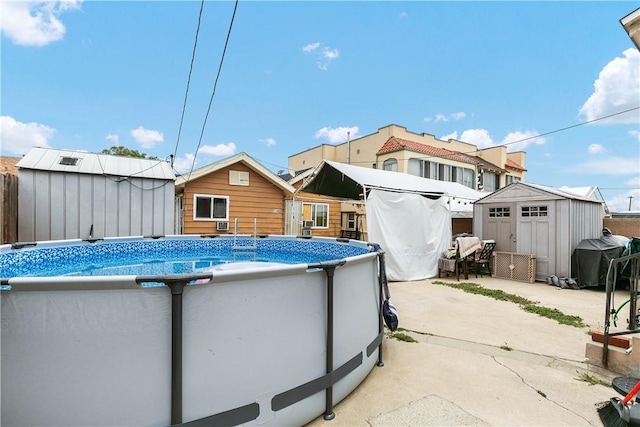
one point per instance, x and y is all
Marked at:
(423, 168)
(318, 213)
(510, 179)
(208, 207)
(528, 211)
(390, 165)
(349, 220)
(238, 178)
(444, 172)
(374, 166)
(490, 181)
(499, 212)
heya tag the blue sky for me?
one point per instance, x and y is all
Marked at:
(89, 75)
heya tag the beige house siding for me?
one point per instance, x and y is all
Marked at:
(335, 218)
(362, 152)
(261, 200)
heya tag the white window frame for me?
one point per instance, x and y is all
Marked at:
(314, 215)
(212, 198)
(390, 165)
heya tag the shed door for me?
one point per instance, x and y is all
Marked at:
(537, 236)
(500, 225)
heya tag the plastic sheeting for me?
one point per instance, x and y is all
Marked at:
(412, 229)
(591, 257)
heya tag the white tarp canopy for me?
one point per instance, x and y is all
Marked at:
(407, 216)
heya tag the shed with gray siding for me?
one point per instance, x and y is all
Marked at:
(65, 194)
(534, 219)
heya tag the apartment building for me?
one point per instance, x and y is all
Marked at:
(395, 148)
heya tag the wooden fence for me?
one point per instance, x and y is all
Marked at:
(8, 208)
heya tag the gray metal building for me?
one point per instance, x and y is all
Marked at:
(533, 219)
(65, 194)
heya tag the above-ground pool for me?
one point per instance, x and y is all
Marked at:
(186, 330)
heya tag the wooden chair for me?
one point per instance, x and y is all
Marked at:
(483, 259)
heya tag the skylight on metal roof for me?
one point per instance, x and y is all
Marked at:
(69, 161)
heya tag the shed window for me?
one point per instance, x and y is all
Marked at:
(209, 207)
(499, 212)
(69, 161)
(528, 211)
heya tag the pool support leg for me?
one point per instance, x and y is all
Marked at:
(176, 351)
(381, 279)
(328, 412)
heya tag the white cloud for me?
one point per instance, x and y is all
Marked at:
(324, 55)
(34, 23)
(403, 14)
(481, 138)
(440, 117)
(147, 138)
(596, 149)
(269, 141)
(218, 150)
(608, 166)
(633, 182)
(19, 138)
(635, 134)
(338, 135)
(183, 164)
(311, 47)
(452, 135)
(477, 137)
(115, 139)
(523, 138)
(620, 203)
(615, 90)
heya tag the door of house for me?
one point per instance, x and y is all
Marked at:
(179, 213)
(293, 217)
(536, 236)
(500, 225)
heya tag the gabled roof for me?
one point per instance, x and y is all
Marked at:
(348, 181)
(398, 144)
(70, 161)
(229, 161)
(534, 192)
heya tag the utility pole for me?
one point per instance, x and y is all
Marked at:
(630, 197)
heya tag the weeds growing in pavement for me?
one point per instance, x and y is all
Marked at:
(524, 303)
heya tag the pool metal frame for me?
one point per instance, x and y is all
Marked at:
(176, 283)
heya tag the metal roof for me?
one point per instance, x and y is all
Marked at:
(50, 159)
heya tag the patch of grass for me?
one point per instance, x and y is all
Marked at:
(506, 347)
(591, 380)
(402, 337)
(542, 393)
(524, 303)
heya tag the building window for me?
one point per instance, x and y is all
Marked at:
(349, 220)
(318, 213)
(374, 166)
(208, 207)
(442, 172)
(499, 212)
(528, 211)
(490, 181)
(510, 179)
(390, 165)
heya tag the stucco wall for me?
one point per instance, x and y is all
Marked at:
(629, 227)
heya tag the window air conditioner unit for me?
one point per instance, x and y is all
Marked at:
(307, 224)
(306, 232)
(222, 225)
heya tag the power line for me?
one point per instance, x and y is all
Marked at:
(186, 93)
(213, 92)
(435, 156)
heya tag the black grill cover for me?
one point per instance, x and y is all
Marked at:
(590, 259)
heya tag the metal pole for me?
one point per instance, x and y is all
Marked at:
(328, 413)
(176, 351)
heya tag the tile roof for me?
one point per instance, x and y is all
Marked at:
(513, 165)
(398, 144)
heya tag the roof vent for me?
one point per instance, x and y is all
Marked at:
(69, 161)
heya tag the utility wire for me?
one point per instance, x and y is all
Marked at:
(186, 93)
(213, 92)
(433, 156)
